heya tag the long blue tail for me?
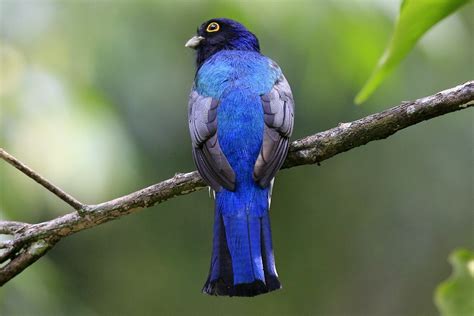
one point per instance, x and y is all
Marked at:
(242, 261)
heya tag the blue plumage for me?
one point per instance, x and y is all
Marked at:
(240, 117)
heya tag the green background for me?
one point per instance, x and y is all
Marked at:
(93, 95)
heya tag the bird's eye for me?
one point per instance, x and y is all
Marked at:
(213, 27)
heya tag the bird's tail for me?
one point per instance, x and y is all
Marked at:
(242, 261)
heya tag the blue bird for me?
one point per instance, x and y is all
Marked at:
(240, 119)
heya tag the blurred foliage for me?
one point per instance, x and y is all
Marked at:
(455, 296)
(94, 97)
(416, 17)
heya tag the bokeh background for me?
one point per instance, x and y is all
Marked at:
(93, 95)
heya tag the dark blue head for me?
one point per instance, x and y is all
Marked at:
(221, 34)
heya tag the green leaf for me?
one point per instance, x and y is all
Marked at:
(415, 18)
(455, 296)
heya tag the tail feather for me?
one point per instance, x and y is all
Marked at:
(271, 275)
(242, 258)
(243, 240)
(220, 274)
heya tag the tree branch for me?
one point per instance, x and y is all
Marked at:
(38, 178)
(31, 241)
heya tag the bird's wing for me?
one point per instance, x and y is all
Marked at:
(278, 108)
(208, 156)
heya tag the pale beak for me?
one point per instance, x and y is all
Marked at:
(194, 42)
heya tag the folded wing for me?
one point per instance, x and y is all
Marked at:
(208, 156)
(278, 108)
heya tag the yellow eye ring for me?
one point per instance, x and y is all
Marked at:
(213, 27)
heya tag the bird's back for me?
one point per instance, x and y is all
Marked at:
(238, 79)
(234, 69)
(240, 120)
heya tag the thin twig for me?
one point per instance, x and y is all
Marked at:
(31, 241)
(41, 180)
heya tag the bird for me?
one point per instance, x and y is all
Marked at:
(240, 115)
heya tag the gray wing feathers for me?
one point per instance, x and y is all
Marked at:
(278, 109)
(208, 156)
(202, 118)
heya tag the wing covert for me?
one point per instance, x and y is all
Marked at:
(207, 154)
(278, 109)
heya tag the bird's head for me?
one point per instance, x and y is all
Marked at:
(221, 34)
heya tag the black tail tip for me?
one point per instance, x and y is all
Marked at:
(221, 288)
